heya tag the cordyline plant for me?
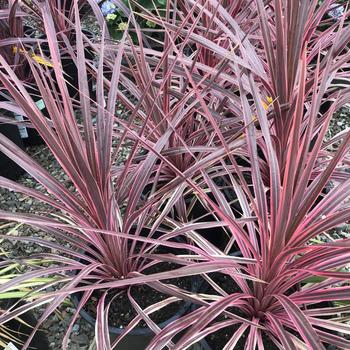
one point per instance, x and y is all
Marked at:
(15, 39)
(169, 103)
(62, 14)
(105, 239)
(275, 85)
(290, 165)
(8, 48)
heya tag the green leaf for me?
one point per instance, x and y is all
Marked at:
(314, 279)
(342, 303)
(146, 4)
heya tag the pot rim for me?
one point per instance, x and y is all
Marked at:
(139, 331)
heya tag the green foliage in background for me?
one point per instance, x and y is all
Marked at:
(117, 20)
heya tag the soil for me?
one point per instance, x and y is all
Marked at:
(122, 312)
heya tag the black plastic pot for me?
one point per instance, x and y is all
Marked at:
(70, 68)
(33, 138)
(71, 75)
(217, 236)
(28, 135)
(8, 168)
(21, 331)
(199, 213)
(23, 136)
(139, 338)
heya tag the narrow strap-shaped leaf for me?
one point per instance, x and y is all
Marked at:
(301, 322)
(281, 333)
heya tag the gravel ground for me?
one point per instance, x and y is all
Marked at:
(55, 325)
(339, 122)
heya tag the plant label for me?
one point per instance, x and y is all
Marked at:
(40, 104)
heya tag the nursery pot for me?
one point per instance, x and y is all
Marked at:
(33, 138)
(27, 136)
(217, 235)
(138, 338)
(70, 69)
(8, 168)
(21, 330)
(199, 213)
